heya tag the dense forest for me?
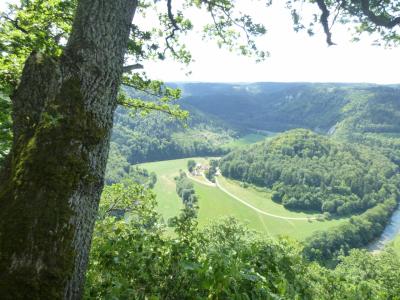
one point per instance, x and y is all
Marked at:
(270, 106)
(372, 119)
(307, 171)
(283, 106)
(159, 137)
(357, 232)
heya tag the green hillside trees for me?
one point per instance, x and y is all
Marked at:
(307, 171)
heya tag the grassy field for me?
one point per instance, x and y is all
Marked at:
(259, 199)
(169, 204)
(215, 204)
(246, 140)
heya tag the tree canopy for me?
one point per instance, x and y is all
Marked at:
(311, 172)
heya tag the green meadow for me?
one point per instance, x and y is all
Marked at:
(247, 139)
(215, 204)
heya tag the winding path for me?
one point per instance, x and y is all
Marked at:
(259, 210)
(216, 184)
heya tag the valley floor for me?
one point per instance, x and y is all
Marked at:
(259, 211)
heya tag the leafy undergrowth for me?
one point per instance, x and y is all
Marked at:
(396, 244)
(133, 258)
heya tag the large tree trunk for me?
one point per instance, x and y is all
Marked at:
(51, 185)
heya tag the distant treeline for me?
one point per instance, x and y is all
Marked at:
(277, 106)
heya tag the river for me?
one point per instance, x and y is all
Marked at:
(389, 234)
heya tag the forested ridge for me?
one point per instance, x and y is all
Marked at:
(219, 113)
(307, 171)
(284, 106)
(269, 106)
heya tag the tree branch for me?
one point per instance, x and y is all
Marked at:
(324, 21)
(377, 20)
(15, 24)
(175, 28)
(129, 68)
(142, 90)
(143, 105)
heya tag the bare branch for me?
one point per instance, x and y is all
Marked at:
(337, 13)
(171, 16)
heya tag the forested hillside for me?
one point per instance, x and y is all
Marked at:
(269, 106)
(362, 113)
(307, 171)
(222, 112)
(373, 119)
(158, 136)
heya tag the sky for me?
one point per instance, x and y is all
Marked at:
(293, 56)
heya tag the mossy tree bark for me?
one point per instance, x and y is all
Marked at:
(51, 185)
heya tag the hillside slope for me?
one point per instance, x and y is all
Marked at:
(307, 171)
(136, 139)
(222, 113)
